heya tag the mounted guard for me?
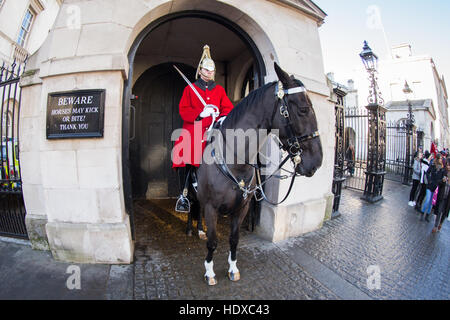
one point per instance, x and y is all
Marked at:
(201, 104)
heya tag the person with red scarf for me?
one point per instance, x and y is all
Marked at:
(433, 149)
(188, 149)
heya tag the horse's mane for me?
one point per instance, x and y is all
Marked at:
(253, 98)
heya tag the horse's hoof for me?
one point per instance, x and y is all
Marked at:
(202, 235)
(211, 281)
(234, 276)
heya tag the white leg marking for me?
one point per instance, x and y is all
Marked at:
(209, 269)
(233, 268)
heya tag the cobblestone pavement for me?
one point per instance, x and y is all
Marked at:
(331, 263)
(414, 263)
(31, 274)
(169, 265)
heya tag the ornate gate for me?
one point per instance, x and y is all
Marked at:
(12, 208)
(398, 168)
(356, 129)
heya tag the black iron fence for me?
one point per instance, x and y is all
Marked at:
(12, 208)
(356, 144)
(339, 155)
(395, 151)
(397, 163)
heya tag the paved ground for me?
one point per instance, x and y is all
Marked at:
(30, 274)
(335, 262)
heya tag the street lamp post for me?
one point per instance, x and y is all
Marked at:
(376, 151)
(409, 133)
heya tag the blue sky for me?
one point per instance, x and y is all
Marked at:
(423, 24)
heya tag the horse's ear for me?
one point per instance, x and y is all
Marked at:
(282, 76)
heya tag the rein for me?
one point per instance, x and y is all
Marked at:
(293, 148)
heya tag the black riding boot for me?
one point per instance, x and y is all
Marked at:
(183, 204)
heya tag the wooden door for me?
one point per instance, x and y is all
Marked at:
(159, 91)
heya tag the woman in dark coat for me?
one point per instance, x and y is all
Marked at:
(443, 200)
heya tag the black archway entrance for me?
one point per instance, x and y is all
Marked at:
(133, 179)
(158, 92)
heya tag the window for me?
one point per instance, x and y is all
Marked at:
(25, 27)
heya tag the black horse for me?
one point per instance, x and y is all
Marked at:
(227, 188)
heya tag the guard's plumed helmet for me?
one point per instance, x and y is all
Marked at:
(205, 61)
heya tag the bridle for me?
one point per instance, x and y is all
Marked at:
(294, 142)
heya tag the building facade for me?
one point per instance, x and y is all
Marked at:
(426, 84)
(24, 25)
(424, 116)
(79, 191)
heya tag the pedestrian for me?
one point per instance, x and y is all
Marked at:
(417, 166)
(425, 164)
(350, 156)
(434, 178)
(443, 200)
(444, 158)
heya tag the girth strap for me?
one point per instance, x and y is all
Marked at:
(223, 168)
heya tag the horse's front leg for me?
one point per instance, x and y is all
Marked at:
(211, 244)
(236, 221)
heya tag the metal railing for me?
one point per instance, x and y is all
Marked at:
(356, 130)
(12, 208)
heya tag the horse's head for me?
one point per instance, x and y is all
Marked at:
(297, 124)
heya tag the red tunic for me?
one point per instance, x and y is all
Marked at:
(188, 149)
(433, 149)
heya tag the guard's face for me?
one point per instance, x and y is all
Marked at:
(207, 75)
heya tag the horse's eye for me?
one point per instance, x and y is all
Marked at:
(303, 110)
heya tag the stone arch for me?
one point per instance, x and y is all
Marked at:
(217, 10)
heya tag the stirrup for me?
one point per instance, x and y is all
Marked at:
(183, 205)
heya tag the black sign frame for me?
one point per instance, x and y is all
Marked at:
(97, 119)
